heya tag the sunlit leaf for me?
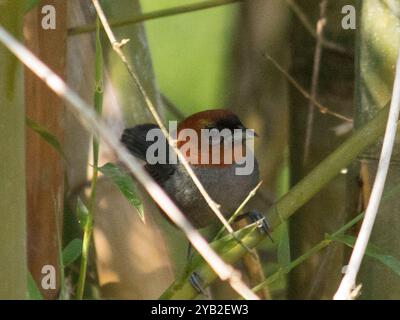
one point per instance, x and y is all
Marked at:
(72, 252)
(125, 184)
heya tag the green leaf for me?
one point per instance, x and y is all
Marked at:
(72, 252)
(373, 252)
(125, 184)
(82, 213)
(46, 135)
(33, 291)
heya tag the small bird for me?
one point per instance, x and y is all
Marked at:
(221, 180)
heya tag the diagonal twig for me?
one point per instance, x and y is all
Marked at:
(323, 109)
(251, 194)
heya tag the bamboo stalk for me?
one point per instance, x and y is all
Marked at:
(324, 243)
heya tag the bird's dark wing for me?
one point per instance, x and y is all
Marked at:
(160, 172)
(135, 141)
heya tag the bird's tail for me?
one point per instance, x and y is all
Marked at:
(135, 139)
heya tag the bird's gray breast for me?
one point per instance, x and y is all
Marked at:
(225, 186)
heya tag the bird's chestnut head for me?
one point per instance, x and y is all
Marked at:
(212, 119)
(213, 137)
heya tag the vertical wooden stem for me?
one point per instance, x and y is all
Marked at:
(44, 166)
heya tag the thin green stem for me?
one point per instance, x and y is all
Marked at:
(88, 229)
(321, 245)
(156, 14)
(87, 235)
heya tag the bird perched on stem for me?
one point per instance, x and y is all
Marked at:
(216, 145)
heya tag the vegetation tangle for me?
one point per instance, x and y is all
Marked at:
(308, 89)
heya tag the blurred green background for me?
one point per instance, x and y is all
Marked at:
(192, 54)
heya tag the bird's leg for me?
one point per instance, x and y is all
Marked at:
(195, 280)
(197, 283)
(255, 216)
(252, 216)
